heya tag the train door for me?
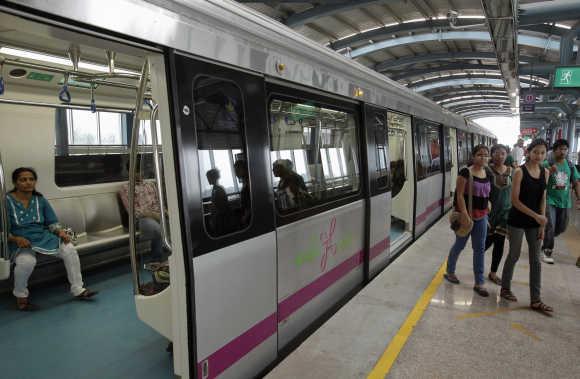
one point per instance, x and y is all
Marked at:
(429, 174)
(227, 211)
(449, 164)
(453, 144)
(402, 180)
(379, 167)
(320, 212)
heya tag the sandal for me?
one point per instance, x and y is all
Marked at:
(87, 294)
(24, 305)
(451, 278)
(508, 295)
(539, 306)
(481, 291)
(495, 279)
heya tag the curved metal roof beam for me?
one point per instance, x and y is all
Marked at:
(463, 79)
(523, 39)
(327, 8)
(415, 26)
(448, 67)
(473, 107)
(561, 10)
(481, 114)
(428, 58)
(471, 100)
(465, 92)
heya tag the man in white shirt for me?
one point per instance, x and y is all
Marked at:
(518, 153)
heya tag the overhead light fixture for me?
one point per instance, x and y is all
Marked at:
(42, 57)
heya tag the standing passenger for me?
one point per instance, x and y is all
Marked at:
(34, 228)
(481, 188)
(500, 207)
(527, 216)
(563, 175)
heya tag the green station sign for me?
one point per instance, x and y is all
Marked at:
(567, 76)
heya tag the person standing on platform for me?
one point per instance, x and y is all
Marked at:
(528, 217)
(563, 175)
(481, 187)
(500, 199)
(518, 153)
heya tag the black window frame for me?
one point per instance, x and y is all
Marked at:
(447, 153)
(419, 123)
(275, 91)
(372, 151)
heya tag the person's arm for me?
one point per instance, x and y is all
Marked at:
(543, 208)
(516, 187)
(460, 190)
(51, 220)
(576, 181)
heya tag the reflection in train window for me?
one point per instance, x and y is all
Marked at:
(462, 149)
(397, 137)
(447, 151)
(224, 176)
(428, 149)
(382, 150)
(314, 154)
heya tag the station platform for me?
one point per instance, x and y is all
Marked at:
(410, 323)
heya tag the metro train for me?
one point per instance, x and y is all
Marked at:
(329, 169)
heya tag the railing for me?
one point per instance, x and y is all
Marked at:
(3, 213)
(132, 176)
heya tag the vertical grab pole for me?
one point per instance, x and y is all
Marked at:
(159, 175)
(3, 213)
(132, 175)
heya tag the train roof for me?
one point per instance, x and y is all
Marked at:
(228, 32)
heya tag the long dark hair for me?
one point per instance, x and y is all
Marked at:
(16, 173)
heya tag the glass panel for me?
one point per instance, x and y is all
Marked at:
(323, 165)
(84, 128)
(398, 126)
(381, 141)
(219, 122)
(110, 128)
(447, 149)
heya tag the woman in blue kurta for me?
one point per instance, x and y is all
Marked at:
(34, 228)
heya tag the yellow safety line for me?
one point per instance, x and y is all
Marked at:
(389, 356)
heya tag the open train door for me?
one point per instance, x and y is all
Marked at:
(227, 216)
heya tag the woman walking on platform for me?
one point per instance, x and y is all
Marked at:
(528, 216)
(480, 180)
(500, 199)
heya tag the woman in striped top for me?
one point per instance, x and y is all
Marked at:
(481, 188)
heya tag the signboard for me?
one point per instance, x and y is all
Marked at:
(40, 76)
(528, 131)
(567, 76)
(528, 108)
(529, 98)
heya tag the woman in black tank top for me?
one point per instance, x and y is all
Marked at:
(528, 217)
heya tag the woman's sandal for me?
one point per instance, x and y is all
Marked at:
(87, 294)
(494, 279)
(539, 306)
(481, 291)
(451, 278)
(24, 305)
(508, 295)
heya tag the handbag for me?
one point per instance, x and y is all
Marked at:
(462, 229)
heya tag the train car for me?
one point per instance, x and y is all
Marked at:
(288, 176)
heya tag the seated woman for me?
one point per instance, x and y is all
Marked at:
(34, 228)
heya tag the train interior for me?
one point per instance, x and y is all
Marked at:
(72, 123)
(402, 174)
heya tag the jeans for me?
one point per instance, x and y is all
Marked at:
(557, 223)
(498, 242)
(516, 237)
(478, 234)
(25, 261)
(151, 230)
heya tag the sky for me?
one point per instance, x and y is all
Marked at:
(506, 129)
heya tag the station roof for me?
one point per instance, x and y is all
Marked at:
(449, 50)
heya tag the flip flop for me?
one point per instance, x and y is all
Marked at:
(87, 294)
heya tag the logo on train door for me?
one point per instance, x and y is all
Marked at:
(328, 246)
(324, 245)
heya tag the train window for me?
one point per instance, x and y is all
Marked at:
(428, 149)
(447, 150)
(314, 154)
(462, 148)
(382, 150)
(398, 126)
(219, 122)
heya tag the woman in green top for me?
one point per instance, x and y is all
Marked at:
(501, 189)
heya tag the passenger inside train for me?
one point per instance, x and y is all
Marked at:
(34, 229)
